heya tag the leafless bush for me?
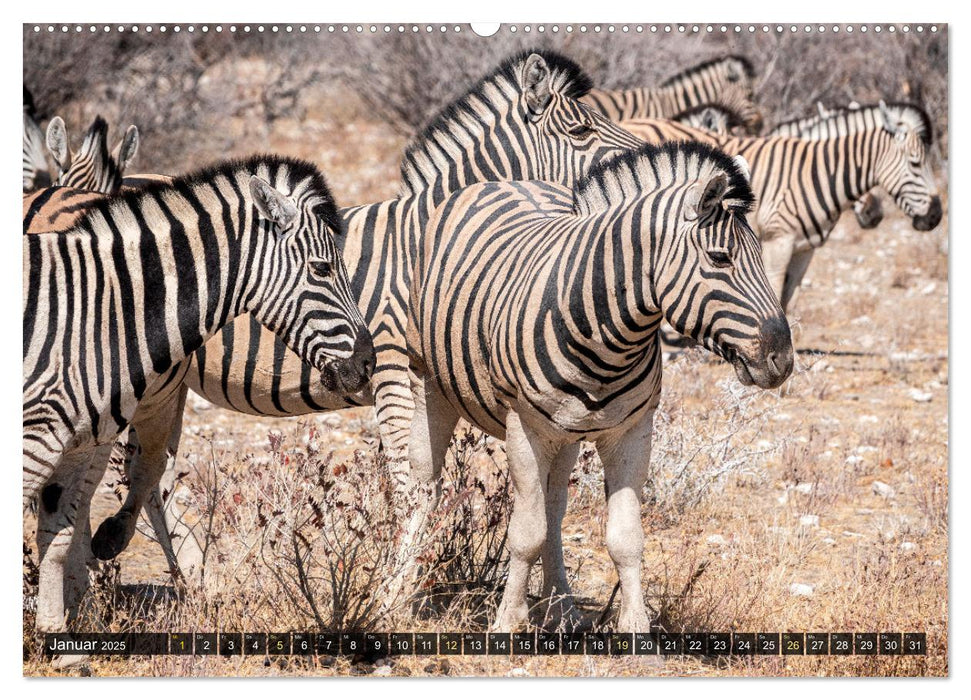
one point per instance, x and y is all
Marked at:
(696, 449)
(184, 90)
(465, 558)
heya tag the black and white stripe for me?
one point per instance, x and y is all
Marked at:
(802, 185)
(92, 167)
(36, 170)
(535, 316)
(726, 81)
(522, 121)
(112, 306)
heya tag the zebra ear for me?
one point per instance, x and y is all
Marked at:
(126, 150)
(743, 167)
(271, 203)
(889, 122)
(57, 143)
(536, 84)
(821, 109)
(704, 196)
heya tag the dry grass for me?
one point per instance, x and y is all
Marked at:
(300, 535)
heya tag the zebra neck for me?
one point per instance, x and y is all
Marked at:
(603, 299)
(190, 279)
(460, 154)
(860, 152)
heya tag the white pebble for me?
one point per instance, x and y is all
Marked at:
(716, 540)
(883, 490)
(907, 546)
(920, 396)
(809, 521)
(801, 589)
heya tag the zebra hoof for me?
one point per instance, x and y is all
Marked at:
(111, 538)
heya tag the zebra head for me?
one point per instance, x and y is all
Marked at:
(902, 167)
(91, 167)
(307, 299)
(714, 118)
(727, 81)
(706, 271)
(570, 137)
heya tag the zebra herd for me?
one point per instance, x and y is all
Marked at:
(543, 232)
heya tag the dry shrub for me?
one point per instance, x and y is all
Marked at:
(697, 446)
(182, 89)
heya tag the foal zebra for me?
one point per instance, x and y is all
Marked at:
(803, 185)
(522, 121)
(867, 209)
(142, 281)
(535, 317)
(91, 167)
(36, 171)
(726, 81)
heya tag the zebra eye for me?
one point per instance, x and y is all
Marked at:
(581, 129)
(720, 258)
(320, 268)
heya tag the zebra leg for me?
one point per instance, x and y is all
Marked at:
(394, 407)
(626, 461)
(555, 586)
(797, 270)
(530, 457)
(777, 251)
(80, 559)
(72, 483)
(432, 424)
(152, 432)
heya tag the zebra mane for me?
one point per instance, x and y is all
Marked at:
(567, 78)
(652, 166)
(916, 115)
(734, 118)
(298, 171)
(701, 67)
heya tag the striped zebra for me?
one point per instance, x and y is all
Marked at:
(726, 81)
(36, 171)
(535, 317)
(868, 208)
(803, 185)
(112, 307)
(92, 167)
(522, 121)
(58, 208)
(714, 118)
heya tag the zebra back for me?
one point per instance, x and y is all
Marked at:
(726, 80)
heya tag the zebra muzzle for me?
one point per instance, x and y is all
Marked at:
(930, 220)
(350, 375)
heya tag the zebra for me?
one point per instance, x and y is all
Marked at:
(535, 317)
(113, 305)
(91, 167)
(868, 208)
(58, 208)
(803, 185)
(521, 121)
(36, 171)
(726, 81)
(715, 118)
